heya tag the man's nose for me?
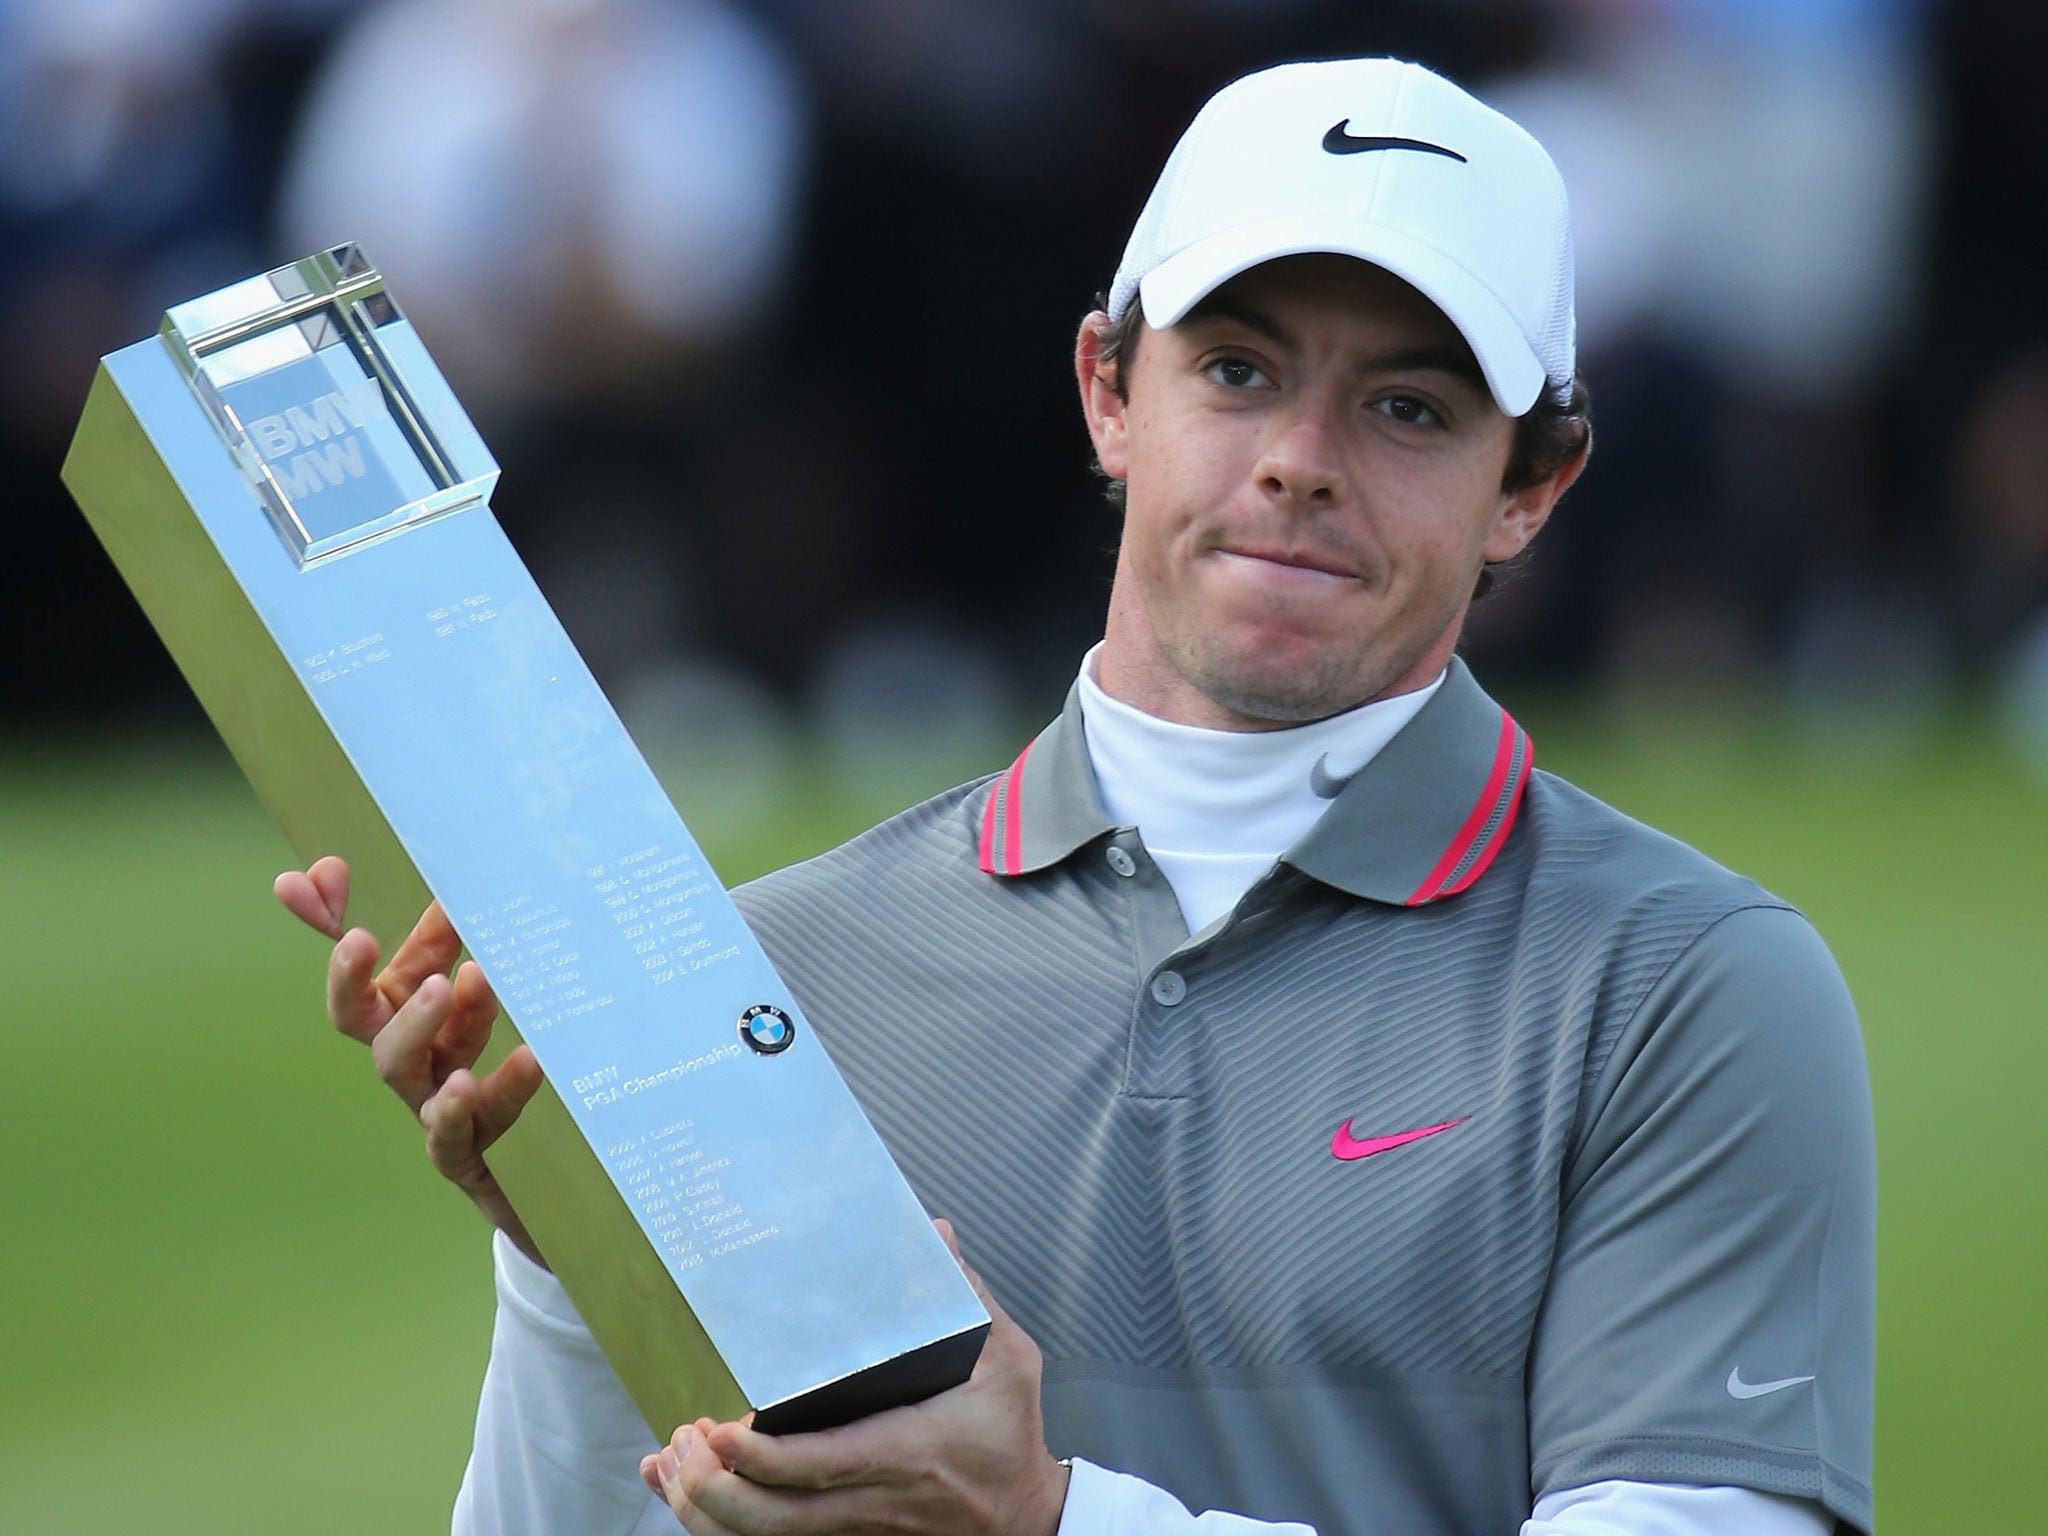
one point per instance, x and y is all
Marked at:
(1299, 462)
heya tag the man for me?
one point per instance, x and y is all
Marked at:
(1367, 1132)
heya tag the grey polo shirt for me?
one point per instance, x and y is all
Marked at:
(1494, 1143)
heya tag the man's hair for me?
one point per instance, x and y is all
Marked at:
(1557, 427)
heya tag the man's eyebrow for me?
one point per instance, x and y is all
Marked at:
(1456, 361)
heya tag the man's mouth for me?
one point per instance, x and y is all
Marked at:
(1307, 561)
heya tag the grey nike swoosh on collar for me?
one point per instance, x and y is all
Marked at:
(1324, 784)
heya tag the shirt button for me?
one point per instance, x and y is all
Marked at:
(1121, 861)
(1168, 988)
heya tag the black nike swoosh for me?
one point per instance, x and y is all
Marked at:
(1339, 141)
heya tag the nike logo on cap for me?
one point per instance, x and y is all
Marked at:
(1743, 1391)
(1340, 141)
(1348, 1148)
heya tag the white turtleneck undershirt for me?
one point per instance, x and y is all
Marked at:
(1216, 808)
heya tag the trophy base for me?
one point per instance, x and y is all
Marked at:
(909, 1378)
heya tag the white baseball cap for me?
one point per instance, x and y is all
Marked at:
(1381, 160)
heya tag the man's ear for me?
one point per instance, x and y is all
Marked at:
(1525, 512)
(1101, 405)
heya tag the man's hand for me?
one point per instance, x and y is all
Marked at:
(969, 1462)
(425, 1032)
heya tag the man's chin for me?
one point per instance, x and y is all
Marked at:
(1281, 690)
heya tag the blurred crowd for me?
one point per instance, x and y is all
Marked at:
(766, 307)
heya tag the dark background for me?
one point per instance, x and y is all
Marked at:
(1811, 308)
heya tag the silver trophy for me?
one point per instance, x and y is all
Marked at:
(293, 493)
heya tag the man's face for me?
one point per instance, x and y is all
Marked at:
(1313, 472)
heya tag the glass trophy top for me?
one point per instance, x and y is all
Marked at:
(321, 389)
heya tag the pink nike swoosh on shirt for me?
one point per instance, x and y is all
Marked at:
(1347, 1147)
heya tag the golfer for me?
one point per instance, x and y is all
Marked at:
(1355, 1129)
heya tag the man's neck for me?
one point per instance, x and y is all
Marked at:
(1216, 807)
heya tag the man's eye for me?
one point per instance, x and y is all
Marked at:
(1408, 409)
(1236, 373)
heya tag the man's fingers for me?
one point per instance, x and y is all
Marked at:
(866, 1453)
(329, 876)
(713, 1501)
(449, 1118)
(468, 1029)
(467, 1113)
(981, 1290)
(502, 1095)
(429, 950)
(404, 1048)
(354, 1004)
(318, 896)
(473, 993)
(678, 1472)
(304, 901)
(952, 1241)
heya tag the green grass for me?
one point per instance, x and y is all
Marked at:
(1927, 871)
(233, 1298)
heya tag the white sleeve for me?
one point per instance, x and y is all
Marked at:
(558, 1442)
(1104, 1503)
(1669, 1509)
